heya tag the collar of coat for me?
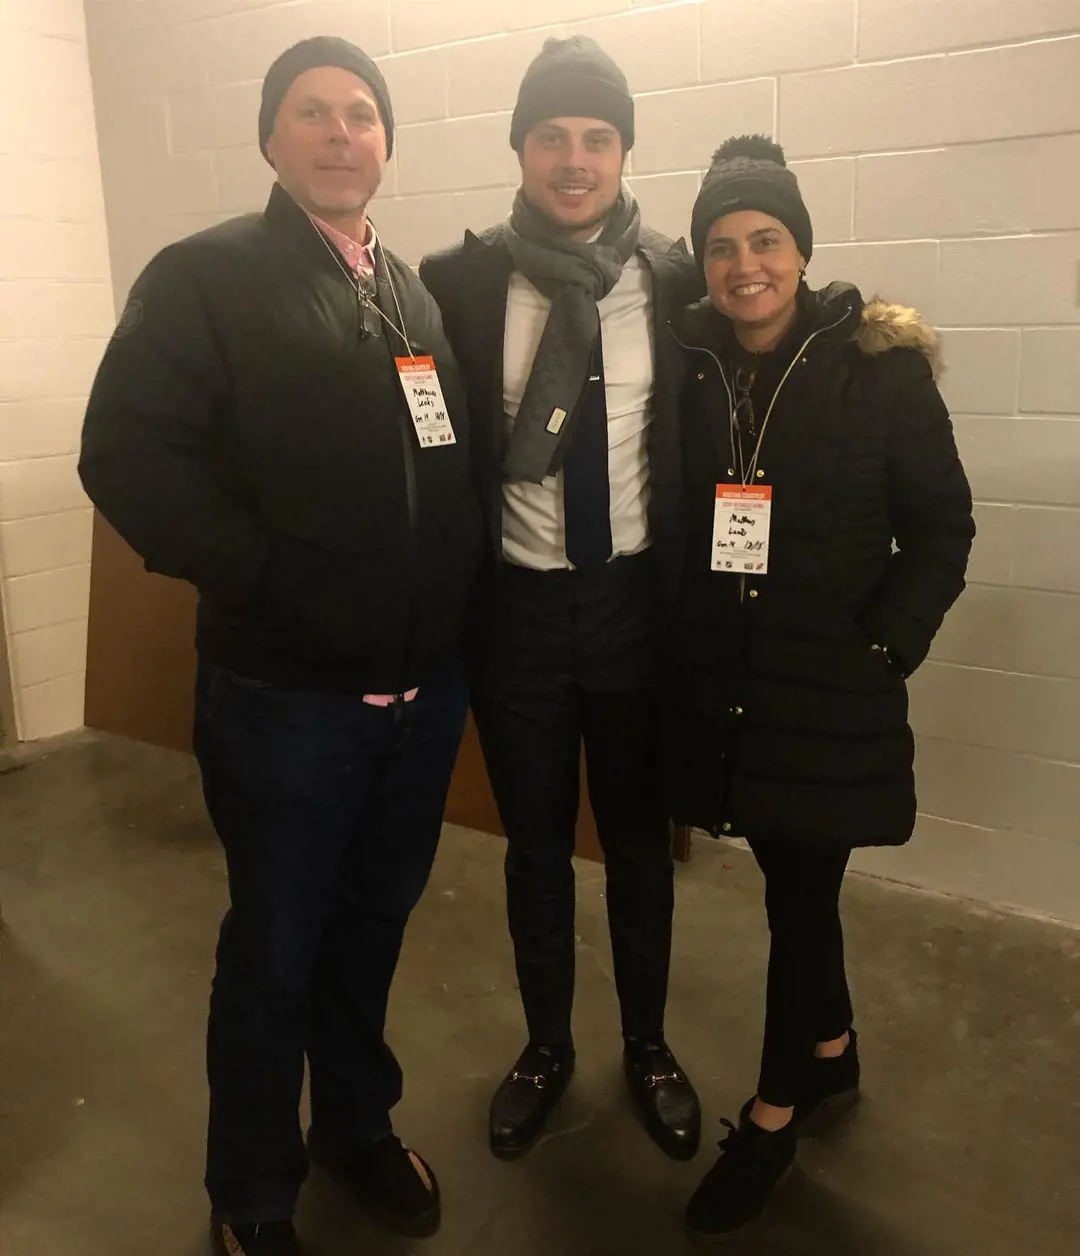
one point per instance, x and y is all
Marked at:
(653, 247)
(284, 215)
(837, 313)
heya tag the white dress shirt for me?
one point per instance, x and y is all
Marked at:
(534, 527)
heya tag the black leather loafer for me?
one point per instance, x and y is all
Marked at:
(664, 1097)
(526, 1096)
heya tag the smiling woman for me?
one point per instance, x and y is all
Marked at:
(753, 233)
(752, 271)
(828, 524)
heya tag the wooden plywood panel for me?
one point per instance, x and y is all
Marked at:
(140, 662)
(7, 695)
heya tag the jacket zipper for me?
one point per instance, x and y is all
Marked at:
(406, 434)
(717, 829)
(411, 505)
(779, 388)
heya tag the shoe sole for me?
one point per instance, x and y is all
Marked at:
(508, 1154)
(828, 1114)
(726, 1236)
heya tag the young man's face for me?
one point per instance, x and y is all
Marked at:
(571, 170)
(328, 145)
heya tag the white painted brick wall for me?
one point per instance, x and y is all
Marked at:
(938, 145)
(983, 375)
(741, 41)
(970, 190)
(56, 311)
(1051, 370)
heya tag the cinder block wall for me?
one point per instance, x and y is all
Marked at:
(56, 311)
(938, 143)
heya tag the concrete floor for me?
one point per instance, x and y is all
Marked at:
(112, 885)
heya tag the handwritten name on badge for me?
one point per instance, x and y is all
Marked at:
(741, 523)
(426, 402)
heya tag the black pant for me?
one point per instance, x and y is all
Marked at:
(329, 811)
(807, 999)
(571, 664)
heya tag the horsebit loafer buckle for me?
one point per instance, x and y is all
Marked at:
(657, 1079)
(539, 1081)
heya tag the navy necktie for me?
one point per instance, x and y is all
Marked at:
(586, 490)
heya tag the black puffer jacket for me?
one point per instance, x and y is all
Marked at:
(244, 433)
(786, 722)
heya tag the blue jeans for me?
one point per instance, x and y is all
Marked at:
(329, 811)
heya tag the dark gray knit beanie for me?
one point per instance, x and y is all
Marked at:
(573, 78)
(308, 55)
(750, 172)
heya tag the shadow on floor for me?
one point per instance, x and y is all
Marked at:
(113, 886)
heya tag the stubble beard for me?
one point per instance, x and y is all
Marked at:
(576, 228)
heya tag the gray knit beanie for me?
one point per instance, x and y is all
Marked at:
(573, 78)
(309, 54)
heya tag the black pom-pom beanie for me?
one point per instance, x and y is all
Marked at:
(749, 172)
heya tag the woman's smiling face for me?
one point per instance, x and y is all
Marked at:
(752, 269)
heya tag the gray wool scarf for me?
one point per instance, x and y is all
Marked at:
(575, 277)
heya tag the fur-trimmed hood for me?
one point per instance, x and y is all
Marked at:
(885, 326)
(837, 312)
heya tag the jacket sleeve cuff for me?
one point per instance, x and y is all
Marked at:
(904, 638)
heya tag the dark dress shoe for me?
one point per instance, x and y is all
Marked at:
(390, 1182)
(833, 1090)
(664, 1096)
(526, 1096)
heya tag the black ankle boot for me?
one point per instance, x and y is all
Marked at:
(833, 1090)
(753, 1162)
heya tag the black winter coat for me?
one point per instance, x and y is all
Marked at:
(787, 719)
(246, 435)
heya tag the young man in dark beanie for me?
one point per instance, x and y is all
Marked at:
(557, 318)
(253, 429)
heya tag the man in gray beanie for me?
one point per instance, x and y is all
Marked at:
(558, 318)
(254, 429)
